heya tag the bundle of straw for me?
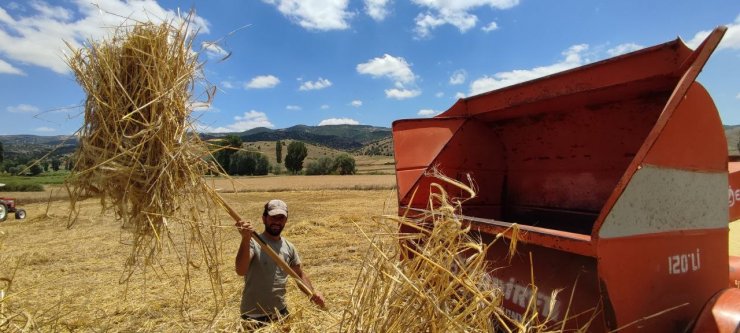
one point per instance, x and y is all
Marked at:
(138, 149)
(435, 280)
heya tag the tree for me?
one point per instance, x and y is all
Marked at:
(262, 165)
(278, 152)
(241, 164)
(69, 164)
(1, 152)
(248, 163)
(345, 164)
(35, 169)
(228, 146)
(55, 164)
(297, 152)
(324, 166)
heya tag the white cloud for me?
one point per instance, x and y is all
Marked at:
(456, 13)
(377, 9)
(214, 51)
(339, 121)
(490, 27)
(401, 93)
(458, 77)
(316, 14)
(731, 39)
(227, 84)
(396, 69)
(318, 85)
(6, 68)
(738, 96)
(573, 58)
(293, 107)
(22, 108)
(356, 103)
(427, 112)
(249, 120)
(45, 129)
(262, 82)
(325, 106)
(439, 94)
(459, 95)
(37, 36)
(623, 48)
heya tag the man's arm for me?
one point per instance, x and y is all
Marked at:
(317, 297)
(244, 255)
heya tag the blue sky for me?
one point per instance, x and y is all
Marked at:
(367, 62)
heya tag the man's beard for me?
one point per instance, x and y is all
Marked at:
(274, 229)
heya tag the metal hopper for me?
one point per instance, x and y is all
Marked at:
(617, 173)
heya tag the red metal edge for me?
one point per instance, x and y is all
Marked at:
(692, 69)
(591, 77)
(420, 140)
(721, 313)
(549, 238)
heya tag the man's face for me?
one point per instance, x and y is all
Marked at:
(274, 224)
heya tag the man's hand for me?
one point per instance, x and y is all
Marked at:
(245, 228)
(318, 299)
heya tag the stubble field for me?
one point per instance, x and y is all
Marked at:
(64, 279)
(67, 279)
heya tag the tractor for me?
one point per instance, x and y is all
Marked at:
(7, 206)
(617, 174)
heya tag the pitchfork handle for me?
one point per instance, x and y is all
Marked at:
(270, 252)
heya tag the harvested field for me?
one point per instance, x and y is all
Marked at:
(67, 279)
(248, 184)
(303, 183)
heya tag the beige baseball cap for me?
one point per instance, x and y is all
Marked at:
(277, 207)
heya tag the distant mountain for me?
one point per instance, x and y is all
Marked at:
(382, 147)
(342, 137)
(34, 146)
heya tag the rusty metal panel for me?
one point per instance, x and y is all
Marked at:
(417, 143)
(552, 270)
(645, 275)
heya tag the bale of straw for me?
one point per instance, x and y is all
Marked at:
(138, 150)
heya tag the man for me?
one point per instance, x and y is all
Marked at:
(263, 298)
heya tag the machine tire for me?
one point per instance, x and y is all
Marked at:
(3, 212)
(20, 214)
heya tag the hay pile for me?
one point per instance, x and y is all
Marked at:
(138, 151)
(442, 283)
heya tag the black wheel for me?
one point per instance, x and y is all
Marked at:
(3, 212)
(20, 214)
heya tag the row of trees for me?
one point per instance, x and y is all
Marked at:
(235, 161)
(343, 164)
(16, 167)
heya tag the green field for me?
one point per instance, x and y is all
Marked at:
(32, 183)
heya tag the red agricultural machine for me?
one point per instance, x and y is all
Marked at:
(7, 206)
(616, 173)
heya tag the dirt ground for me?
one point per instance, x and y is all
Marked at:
(68, 279)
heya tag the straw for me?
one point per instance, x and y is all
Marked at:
(138, 149)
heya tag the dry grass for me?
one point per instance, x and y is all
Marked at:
(303, 183)
(68, 279)
(137, 153)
